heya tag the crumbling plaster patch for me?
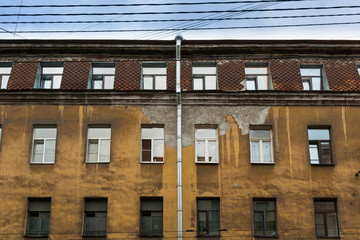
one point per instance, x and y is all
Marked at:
(191, 115)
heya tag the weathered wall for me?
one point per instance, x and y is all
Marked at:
(291, 180)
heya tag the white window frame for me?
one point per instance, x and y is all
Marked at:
(309, 78)
(103, 75)
(51, 74)
(160, 65)
(44, 148)
(204, 75)
(152, 145)
(206, 139)
(5, 74)
(261, 152)
(255, 76)
(99, 145)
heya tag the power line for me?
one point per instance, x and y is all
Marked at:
(177, 12)
(189, 19)
(145, 4)
(184, 29)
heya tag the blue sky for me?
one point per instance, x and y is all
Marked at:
(347, 32)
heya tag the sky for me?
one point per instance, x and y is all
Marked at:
(242, 28)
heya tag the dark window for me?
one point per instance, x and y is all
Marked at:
(208, 217)
(319, 146)
(326, 222)
(38, 217)
(95, 217)
(151, 217)
(265, 218)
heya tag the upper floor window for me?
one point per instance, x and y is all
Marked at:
(326, 223)
(38, 217)
(98, 145)
(265, 218)
(5, 70)
(261, 147)
(103, 76)
(257, 77)
(51, 75)
(358, 69)
(208, 217)
(154, 76)
(206, 145)
(204, 76)
(319, 146)
(152, 144)
(312, 78)
(95, 216)
(151, 217)
(0, 132)
(44, 142)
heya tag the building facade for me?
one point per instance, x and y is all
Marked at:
(270, 140)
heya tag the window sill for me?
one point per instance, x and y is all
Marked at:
(262, 163)
(207, 163)
(152, 162)
(323, 238)
(265, 237)
(208, 236)
(151, 236)
(33, 236)
(323, 164)
(97, 162)
(92, 237)
(33, 163)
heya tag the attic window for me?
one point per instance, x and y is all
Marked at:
(154, 76)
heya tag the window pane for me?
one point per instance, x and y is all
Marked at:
(33, 225)
(45, 133)
(204, 70)
(93, 151)
(158, 146)
(5, 70)
(38, 151)
(214, 223)
(160, 82)
(210, 82)
(267, 151)
(109, 82)
(262, 134)
(200, 151)
(98, 84)
(325, 152)
(154, 70)
(202, 223)
(57, 82)
(331, 221)
(89, 226)
(316, 83)
(198, 84)
(310, 71)
(148, 82)
(270, 224)
(94, 133)
(212, 151)
(157, 223)
(148, 133)
(47, 84)
(262, 82)
(52, 70)
(44, 223)
(145, 225)
(208, 204)
(319, 224)
(50, 151)
(259, 225)
(4, 82)
(319, 134)
(306, 84)
(314, 154)
(250, 84)
(103, 70)
(255, 152)
(104, 150)
(256, 70)
(327, 206)
(100, 224)
(264, 205)
(206, 133)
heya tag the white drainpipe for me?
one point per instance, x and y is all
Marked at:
(178, 39)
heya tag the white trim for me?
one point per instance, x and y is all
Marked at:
(261, 153)
(99, 143)
(207, 146)
(152, 146)
(44, 147)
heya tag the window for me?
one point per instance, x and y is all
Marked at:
(358, 70)
(0, 132)
(326, 223)
(204, 76)
(51, 75)
(256, 77)
(265, 218)
(311, 78)
(38, 217)
(319, 146)
(151, 217)
(5, 70)
(95, 216)
(154, 76)
(206, 145)
(261, 147)
(152, 144)
(98, 148)
(208, 217)
(44, 142)
(103, 75)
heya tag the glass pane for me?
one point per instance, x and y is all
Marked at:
(160, 82)
(5, 70)
(262, 82)
(145, 225)
(4, 82)
(44, 223)
(210, 82)
(93, 151)
(214, 223)
(198, 84)
(95, 133)
(45, 133)
(206, 133)
(202, 223)
(208, 204)
(250, 84)
(109, 82)
(50, 151)
(319, 134)
(57, 82)
(104, 150)
(267, 151)
(325, 153)
(264, 205)
(306, 84)
(89, 226)
(359, 70)
(148, 83)
(262, 134)
(103, 70)
(324, 206)
(98, 84)
(33, 225)
(259, 225)
(148, 133)
(270, 224)
(256, 70)
(200, 151)
(319, 224)
(52, 70)
(151, 205)
(204, 70)
(46, 84)
(314, 154)
(38, 151)
(310, 71)
(255, 152)
(100, 224)
(212, 151)
(331, 221)
(157, 223)
(316, 83)
(154, 70)
(158, 146)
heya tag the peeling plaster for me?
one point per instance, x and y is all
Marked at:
(244, 116)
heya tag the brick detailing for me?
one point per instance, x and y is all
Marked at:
(171, 76)
(75, 75)
(186, 76)
(285, 75)
(230, 75)
(23, 75)
(127, 76)
(342, 75)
